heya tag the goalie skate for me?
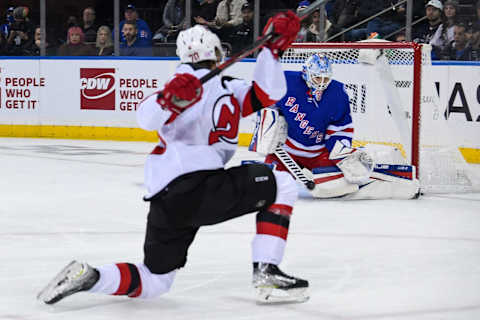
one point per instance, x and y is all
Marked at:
(274, 286)
(73, 278)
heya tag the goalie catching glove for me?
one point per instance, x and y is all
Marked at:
(355, 164)
(180, 93)
(285, 26)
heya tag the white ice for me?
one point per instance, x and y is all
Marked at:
(365, 260)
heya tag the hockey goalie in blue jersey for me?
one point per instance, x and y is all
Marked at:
(313, 124)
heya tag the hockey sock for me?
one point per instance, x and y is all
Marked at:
(274, 221)
(272, 231)
(119, 279)
(133, 280)
(130, 282)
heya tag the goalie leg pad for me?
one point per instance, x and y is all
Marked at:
(381, 189)
(330, 183)
(270, 131)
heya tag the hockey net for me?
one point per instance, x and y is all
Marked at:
(394, 103)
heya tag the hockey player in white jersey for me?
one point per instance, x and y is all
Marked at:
(188, 186)
(313, 123)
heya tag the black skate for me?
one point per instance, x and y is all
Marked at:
(73, 278)
(272, 285)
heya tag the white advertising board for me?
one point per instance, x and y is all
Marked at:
(105, 93)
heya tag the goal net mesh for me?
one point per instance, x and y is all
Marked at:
(380, 81)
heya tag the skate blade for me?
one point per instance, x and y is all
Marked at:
(46, 295)
(267, 295)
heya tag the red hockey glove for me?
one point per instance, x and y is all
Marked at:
(286, 26)
(180, 93)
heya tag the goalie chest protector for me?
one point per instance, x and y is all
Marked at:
(311, 120)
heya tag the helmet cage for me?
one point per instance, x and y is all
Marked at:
(317, 66)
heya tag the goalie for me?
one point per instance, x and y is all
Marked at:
(312, 123)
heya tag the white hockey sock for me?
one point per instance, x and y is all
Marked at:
(267, 248)
(117, 279)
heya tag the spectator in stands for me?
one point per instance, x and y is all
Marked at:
(144, 35)
(400, 37)
(313, 34)
(444, 35)
(206, 9)
(89, 26)
(242, 34)
(104, 43)
(476, 23)
(72, 21)
(75, 45)
(33, 49)
(132, 45)
(460, 49)
(475, 41)
(306, 23)
(229, 15)
(344, 13)
(5, 28)
(363, 10)
(173, 21)
(384, 24)
(425, 30)
(21, 32)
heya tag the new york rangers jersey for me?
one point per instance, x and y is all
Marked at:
(205, 136)
(315, 123)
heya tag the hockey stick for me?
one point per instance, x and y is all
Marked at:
(294, 168)
(253, 47)
(257, 44)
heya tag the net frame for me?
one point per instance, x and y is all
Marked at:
(416, 59)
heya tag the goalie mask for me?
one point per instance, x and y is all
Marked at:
(317, 72)
(198, 44)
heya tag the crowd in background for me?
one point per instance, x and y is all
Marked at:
(452, 28)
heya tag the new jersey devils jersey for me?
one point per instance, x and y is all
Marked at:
(314, 123)
(205, 136)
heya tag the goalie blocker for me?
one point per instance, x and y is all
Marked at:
(355, 176)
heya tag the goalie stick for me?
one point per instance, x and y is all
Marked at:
(294, 168)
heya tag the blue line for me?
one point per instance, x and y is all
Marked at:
(434, 62)
(455, 63)
(99, 58)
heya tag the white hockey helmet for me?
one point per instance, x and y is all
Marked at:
(317, 72)
(197, 44)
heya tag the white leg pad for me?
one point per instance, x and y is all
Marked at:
(331, 185)
(378, 189)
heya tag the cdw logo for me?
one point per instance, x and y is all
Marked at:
(95, 83)
(97, 88)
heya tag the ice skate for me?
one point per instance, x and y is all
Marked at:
(274, 286)
(73, 278)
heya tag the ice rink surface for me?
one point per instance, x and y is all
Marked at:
(365, 260)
